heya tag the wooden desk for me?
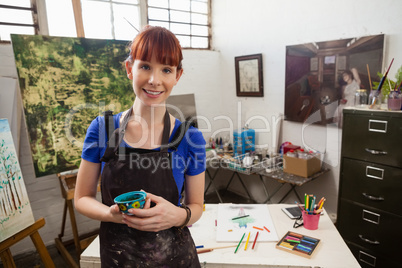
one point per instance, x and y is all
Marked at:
(332, 251)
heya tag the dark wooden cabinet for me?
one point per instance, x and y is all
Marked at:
(370, 191)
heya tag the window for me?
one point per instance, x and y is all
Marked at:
(110, 19)
(107, 19)
(17, 16)
(188, 19)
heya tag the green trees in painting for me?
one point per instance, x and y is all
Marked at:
(11, 194)
(65, 83)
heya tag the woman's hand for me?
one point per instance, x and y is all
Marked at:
(115, 215)
(162, 216)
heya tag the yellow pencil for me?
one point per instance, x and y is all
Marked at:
(248, 238)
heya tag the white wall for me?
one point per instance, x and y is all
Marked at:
(242, 28)
(267, 26)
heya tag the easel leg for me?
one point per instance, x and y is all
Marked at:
(43, 253)
(7, 259)
(74, 228)
(31, 231)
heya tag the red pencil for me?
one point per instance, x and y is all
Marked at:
(255, 240)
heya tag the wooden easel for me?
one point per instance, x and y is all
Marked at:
(32, 231)
(67, 184)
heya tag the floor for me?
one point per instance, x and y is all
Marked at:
(32, 260)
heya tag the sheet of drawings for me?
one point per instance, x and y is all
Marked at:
(234, 220)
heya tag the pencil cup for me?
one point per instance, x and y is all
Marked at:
(310, 221)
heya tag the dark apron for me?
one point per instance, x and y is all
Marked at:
(129, 169)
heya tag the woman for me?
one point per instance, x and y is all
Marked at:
(349, 84)
(155, 236)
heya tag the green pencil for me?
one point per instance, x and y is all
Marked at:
(240, 242)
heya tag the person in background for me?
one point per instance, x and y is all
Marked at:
(138, 156)
(349, 84)
(352, 83)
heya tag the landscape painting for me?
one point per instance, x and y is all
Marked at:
(65, 83)
(15, 208)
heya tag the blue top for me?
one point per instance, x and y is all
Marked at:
(188, 159)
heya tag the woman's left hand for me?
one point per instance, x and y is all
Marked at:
(163, 215)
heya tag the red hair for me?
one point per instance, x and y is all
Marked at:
(158, 41)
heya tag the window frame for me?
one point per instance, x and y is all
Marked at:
(40, 23)
(39, 18)
(186, 23)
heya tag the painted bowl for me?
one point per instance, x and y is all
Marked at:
(126, 201)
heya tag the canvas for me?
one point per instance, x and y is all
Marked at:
(65, 83)
(15, 208)
(315, 89)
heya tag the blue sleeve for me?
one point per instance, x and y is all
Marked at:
(94, 141)
(196, 161)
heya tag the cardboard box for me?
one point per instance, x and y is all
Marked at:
(301, 167)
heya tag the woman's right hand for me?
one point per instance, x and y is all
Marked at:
(115, 214)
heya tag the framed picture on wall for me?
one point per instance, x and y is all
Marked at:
(322, 77)
(249, 76)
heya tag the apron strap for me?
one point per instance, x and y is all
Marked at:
(166, 132)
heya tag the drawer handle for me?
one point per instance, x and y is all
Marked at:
(371, 151)
(368, 240)
(373, 197)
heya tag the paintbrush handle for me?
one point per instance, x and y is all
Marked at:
(204, 250)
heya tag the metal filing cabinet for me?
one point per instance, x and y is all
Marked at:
(370, 191)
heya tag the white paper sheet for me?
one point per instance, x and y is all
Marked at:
(230, 229)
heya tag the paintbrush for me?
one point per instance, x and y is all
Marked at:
(369, 77)
(205, 250)
(377, 93)
(383, 78)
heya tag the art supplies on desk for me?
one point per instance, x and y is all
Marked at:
(311, 211)
(298, 244)
(236, 219)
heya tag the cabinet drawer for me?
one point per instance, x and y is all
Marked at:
(369, 259)
(373, 137)
(371, 228)
(372, 185)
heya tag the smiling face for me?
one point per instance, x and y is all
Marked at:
(152, 81)
(154, 64)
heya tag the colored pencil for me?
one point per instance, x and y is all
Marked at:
(235, 218)
(248, 238)
(255, 240)
(240, 242)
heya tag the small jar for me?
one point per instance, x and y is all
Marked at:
(361, 98)
(291, 153)
(375, 100)
(302, 154)
(394, 101)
